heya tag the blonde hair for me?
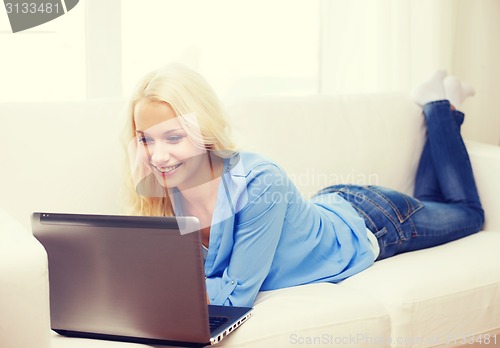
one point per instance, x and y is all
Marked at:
(187, 92)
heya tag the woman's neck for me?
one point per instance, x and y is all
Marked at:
(200, 200)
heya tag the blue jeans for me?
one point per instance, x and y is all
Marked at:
(446, 203)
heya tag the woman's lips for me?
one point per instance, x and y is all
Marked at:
(167, 170)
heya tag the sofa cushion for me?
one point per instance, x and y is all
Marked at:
(446, 292)
(312, 315)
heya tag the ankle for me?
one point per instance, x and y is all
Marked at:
(456, 92)
(431, 89)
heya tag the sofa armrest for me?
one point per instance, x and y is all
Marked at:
(485, 160)
(24, 287)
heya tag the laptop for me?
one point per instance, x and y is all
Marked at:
(130, 278)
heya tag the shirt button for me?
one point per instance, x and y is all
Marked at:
(232, 281)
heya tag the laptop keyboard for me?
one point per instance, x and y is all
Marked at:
(215, 322)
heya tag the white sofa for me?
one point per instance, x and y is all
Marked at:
(66, 157)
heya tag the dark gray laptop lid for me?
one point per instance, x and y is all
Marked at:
(125, 276)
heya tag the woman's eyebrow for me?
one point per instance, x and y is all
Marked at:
(140, 132)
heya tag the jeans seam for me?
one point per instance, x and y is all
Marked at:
(475, 226)
(434, 113)
(414, 232)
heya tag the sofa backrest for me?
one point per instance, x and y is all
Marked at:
(320, 141)
(60, 157)
(67, 157)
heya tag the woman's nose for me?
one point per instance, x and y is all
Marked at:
(160, 154)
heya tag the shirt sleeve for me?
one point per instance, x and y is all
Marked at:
(257, 230)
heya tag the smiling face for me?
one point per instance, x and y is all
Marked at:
(175, 160)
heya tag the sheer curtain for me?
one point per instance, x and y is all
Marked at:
(391, 45)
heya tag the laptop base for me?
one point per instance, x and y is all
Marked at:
(97, 336)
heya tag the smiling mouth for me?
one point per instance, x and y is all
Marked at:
(166, 170)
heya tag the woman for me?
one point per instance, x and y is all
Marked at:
(258, 233)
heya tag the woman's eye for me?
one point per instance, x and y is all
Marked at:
(144, 140)
(174, 139)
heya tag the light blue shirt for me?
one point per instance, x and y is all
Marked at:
(266, 236)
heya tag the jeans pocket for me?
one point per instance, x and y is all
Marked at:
(386, 213)
(403, 205)
(377, 222)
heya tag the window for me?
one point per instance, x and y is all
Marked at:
(243, 48)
